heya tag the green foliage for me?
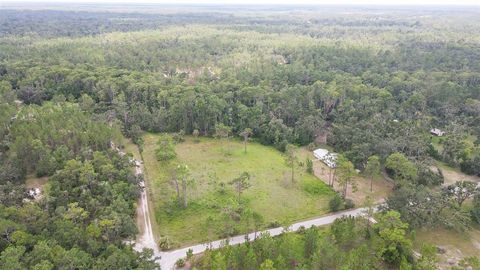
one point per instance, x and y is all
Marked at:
(392, 231)
(222, 131)
(291, 159)
(346, 172)
(373, 169)
(241, 183)
(316, 187)
(267, 265)
(309, 164)
(401, 168)
(374, 94)
(475, 212)
(179, 137)
(165, 148)
(180, 263)
(89, 201)
(342, 246)
(428, 259)
(420, 206)
(336, 203)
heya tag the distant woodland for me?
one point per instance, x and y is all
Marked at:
(367, 83)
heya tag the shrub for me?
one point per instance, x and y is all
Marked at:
(179, 137)
(189, 254)
(335, 203)
(311, 146)
(165, 243)
(309, 163)
(349, 204)
(195, 134)
(274, 224)
(180, 263)
(301, 230)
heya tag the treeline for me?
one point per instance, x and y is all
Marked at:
(288, 89)
(86, 210)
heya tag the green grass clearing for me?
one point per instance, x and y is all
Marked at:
(272, 194)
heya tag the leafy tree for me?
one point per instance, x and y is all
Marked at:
(11, 257)
(461, 191)
(401, 168)
(424, 207)
(393, 232)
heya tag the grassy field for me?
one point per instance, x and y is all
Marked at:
(272, 194)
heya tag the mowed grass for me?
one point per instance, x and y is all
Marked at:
(211, 162)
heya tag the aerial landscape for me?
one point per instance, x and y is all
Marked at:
(227, 135)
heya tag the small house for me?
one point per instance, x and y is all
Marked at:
(437, 132)
(327, 157)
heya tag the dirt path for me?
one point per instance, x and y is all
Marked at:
(145, 239)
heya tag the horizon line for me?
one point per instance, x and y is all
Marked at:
(256, 3)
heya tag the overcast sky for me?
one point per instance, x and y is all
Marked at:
(318, 2)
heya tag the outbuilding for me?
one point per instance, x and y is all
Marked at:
(327, 157)
(437, 132)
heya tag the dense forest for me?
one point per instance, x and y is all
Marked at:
(369, 84)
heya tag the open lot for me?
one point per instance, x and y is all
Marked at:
(273, 197)
(452, 175)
